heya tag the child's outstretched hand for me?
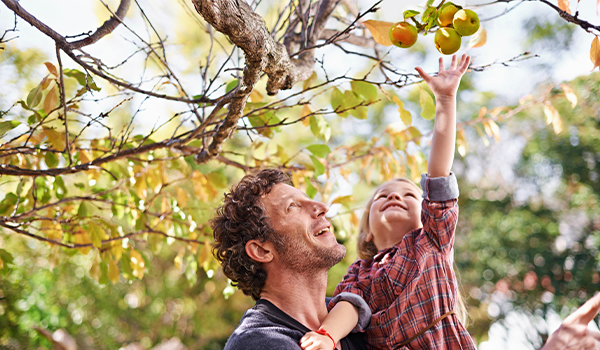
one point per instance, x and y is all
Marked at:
(315, 341)
(445, 84)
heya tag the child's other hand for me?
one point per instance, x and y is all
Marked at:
(314, 341)
(445, 84)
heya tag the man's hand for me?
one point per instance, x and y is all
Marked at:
(445, 84)
(314, 341)
(573, 333)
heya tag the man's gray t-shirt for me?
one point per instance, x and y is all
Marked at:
(266, 327)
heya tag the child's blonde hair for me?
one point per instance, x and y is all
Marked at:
(366, 249)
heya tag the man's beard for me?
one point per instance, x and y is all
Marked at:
(296, 254)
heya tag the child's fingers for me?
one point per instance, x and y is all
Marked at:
(305, 342)
(453, 64)
(441, 61)
(423, 75)
(464, 63)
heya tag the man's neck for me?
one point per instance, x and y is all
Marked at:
(301, 296)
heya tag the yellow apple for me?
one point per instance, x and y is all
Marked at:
(447, 40)
(466, 22)
(446, 14)
(403, 34)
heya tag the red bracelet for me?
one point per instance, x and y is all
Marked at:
(324, 332)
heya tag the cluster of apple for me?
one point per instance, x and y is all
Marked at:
(453, 21)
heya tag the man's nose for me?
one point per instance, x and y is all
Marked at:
(319, 209)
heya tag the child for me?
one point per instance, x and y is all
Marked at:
(406, 275)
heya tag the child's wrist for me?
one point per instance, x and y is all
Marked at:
(445, 99)
(323, 331)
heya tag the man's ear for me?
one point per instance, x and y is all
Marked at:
(260, 251)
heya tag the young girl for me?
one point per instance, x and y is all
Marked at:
(405, 273)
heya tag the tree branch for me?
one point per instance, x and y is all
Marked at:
(106, 28)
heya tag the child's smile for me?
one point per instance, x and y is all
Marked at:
(396, 210)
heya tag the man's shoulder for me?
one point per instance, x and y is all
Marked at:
(257, 331)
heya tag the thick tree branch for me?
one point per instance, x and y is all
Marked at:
(106, 28)
(64, 45)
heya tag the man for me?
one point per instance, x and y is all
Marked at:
(276, 245)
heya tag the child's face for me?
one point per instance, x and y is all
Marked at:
(396, 210)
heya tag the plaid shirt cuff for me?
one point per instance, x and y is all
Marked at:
(364, 312)
(439, 189)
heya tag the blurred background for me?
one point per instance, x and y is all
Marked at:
(529, 227)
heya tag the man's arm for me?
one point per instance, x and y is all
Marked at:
(444, 87)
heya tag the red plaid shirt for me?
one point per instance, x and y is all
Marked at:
(411, 284)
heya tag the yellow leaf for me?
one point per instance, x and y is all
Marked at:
(52, 229)
(595, 53)
(165, 206)
(570, 95)
(85, 156)
(137, 264)
(56, 138)
(95, 271)
(182, 197)
(343, 199)
(113, 271)
(549, 112)
(81, 237)
(1, 263)
(51, 68)
(380, 31)
(564, 5)
(205, 255)
(461, 143)
(495, 130)
(478, 39)
(50, 102)
(256, 96)
(553, 117)
(117, 250)
(304, 113)
(404, 114)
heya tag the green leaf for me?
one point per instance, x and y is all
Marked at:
(319, 127)
(217, 179)
(319, 167)
(8, 203)
(338, 103)
(6, 257)
(76, 74)
(97, 234)
(83, 211)
(320, 151)
(231, 86)
(7, 126)
(51, 159)
(311, 191)
(427, 105)
(428, 14)
(365, 90)
(352, 101)
(35, 97)
(410, 13)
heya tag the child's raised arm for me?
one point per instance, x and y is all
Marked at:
(444, 87)
(339, 323)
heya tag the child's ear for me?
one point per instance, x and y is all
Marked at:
(369, 237)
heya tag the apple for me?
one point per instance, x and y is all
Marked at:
(446, 14)
(403, 34)
(447, 40)
(466, 22)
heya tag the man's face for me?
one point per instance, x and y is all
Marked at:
(306, 241)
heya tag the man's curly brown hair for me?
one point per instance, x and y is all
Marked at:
(240, 219)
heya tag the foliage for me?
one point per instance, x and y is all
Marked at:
(111, 171)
